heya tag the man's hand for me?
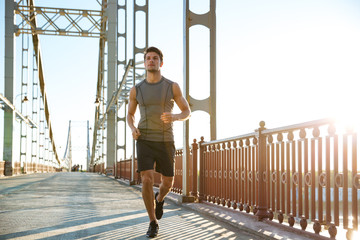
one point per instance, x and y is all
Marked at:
(135, 133)
(168, 117)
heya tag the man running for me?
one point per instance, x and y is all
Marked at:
(155, 140)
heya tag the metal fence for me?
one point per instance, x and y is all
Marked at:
(99, 168)
(123, 171)
(304, 174)
(27, 168)
(309, 174)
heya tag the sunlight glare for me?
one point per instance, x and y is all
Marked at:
(355, 235)
(347, 119)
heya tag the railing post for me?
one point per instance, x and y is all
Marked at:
(194, 158)
(201, 170)
(186, 197)
(115, 169)
(262, 211)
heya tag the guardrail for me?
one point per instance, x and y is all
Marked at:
(311, 177)
(123, 171)
(305, 174)
(27, 168)
(99, 168)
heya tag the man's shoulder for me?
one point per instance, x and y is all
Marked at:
(168, 80)
(164, 80)
(139, 83)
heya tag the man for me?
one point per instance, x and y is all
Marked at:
(155, 141)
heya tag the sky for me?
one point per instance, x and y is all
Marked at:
(279, 61)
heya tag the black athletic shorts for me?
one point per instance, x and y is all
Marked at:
(161, 153)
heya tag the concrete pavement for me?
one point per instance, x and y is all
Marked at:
(93, 206)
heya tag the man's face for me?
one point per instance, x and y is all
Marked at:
(152, 62)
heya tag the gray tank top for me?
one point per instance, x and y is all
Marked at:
(153, 100)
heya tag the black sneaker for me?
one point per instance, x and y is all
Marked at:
(159, 207)
(153, 230)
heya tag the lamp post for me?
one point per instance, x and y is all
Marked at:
(88, 146)
(23, 133)
(100, 127)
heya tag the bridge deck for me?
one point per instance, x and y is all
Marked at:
(92, 206)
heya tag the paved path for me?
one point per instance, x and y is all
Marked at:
(92, 206)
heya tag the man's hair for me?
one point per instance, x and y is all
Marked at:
(155, 50)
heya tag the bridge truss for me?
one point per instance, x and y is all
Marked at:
(25, 18)
(112, 91)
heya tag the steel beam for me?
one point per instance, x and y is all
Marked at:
(100, 80)
(36, 44)
(212, 27)
(121, 90)
(209, 104)
(25, 49)
(80, 22)
(70, 148)
(136, 75)
(35, 137)
(17, 113)
(122, 61)
(112, 79)
(88, 146)
(9, 72)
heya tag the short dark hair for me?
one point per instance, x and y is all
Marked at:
(155, 50)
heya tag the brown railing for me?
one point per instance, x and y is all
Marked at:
(17, 168)
(27, 168)
(177, 186)
(304, 174)
(99, 168)
(311, 177)
(123, 171)
(2, 168)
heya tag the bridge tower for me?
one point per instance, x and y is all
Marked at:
(95, 26)
(208, 105)
(131, 70)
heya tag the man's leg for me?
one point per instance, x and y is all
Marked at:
(165, 187)
(147, 178)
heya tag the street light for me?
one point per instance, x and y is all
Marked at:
(25, 99)
(98, 100)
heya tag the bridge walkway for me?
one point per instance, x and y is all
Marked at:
(92, 206)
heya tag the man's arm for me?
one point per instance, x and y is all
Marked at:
(181, 102)
(130, 118)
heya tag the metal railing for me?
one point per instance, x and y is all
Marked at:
(123, 171)
(305, 174)
(99, 168)
(2, 168)
(311, 177)
(28, 168)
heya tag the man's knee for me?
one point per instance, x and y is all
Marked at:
(147, 178)
(167, 182)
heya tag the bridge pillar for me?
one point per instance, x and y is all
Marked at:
(112, 79)
(9, 117)
(209, 104)
(138, 56)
